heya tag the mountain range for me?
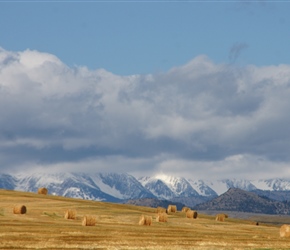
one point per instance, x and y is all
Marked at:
(121, 187)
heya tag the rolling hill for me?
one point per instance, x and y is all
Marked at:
(44, 227)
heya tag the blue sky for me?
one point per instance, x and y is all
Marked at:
(175, 87)
(131, 37)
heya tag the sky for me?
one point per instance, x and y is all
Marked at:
(198, 89)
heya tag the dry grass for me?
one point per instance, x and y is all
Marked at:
(44, 227)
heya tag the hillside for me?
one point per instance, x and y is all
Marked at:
(147, 202)
(274, 195)
(44, 227)
(239, 200)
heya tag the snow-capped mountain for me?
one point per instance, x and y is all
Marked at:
(204, 188)
(7, 181)
(121, 186)
(272, 184)
(77, 185)
(157, 187)
(116, 187)
(168, 187)
(221, 186)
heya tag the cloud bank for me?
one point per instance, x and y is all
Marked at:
(201, 119)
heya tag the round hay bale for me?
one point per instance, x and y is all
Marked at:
(145, 220)
(160, 210)
(89, 221)
(42, 190)
(191, 214)
(285, 231)
(161, 217)
(148, 220)
(70, 214)
(142, 220)
(221, 217)
(20, 209)
(172, 209)
(185, 209)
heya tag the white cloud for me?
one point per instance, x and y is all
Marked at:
(197, 118)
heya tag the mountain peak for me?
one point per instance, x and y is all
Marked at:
(166, 178)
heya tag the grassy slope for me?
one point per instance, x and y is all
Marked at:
(44, 227)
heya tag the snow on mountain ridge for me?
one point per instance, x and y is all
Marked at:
(272, 184)
(241, 184)
(122, 186)
(106, 188)
(176, 184)
(40, 179)
(117, 187)
(157, 187)
(172, 186)
(219, 187)
(202, 188)
(211, 187)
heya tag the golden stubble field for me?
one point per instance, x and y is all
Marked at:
(44, 227)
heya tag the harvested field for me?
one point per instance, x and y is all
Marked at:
(44, 227)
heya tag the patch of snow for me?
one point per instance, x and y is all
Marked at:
(273, 184)
(219, 187)
(261, 184)
(201, 188)
(106, 188)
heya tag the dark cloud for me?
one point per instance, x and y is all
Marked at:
(194, 119)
